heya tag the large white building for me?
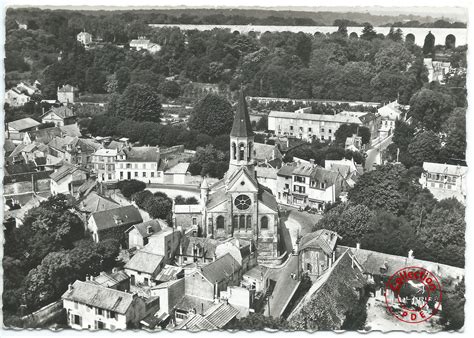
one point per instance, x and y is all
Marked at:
(389, 114)
(138, 163)
(84, 38)
(445, 180)
(310, 127)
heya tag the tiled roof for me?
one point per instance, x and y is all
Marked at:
(27, 177)
(71, 130)
(323, 175)
(94, 202)
(144, 262)
(315, 117)
(241, 126)
(270, 173)
(372, 262)
(216, 198)
(63, 112)
(180, 168)
(220, 269)
(23, 124)
(44, 135)
(67, 88)
(208, 244)
(196, 323)
(60, 143)
(268, 199)
(286, 170)
(168, 273)
(126, 215)
(99, 296)
(156, 226)
(141, 154)
(266, 151)
(221, 314)
(187, 209)
(110, 279)
(447, 169)
(106, 152)
(303, 170)
(192, 303)
(19, 168)
(64, 171)
(324, 239)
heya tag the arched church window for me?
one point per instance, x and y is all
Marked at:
(220, 222)
(241, 152)
(264, 222)
(250, 151)
(249, 221)
(242, 222)
(234, 151)
(235, 221)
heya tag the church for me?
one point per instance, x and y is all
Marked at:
(236, 206)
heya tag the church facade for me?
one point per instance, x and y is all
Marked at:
(237, 206)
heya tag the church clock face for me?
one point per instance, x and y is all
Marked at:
(242, 202)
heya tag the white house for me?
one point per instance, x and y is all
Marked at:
(84, 38)
(390, 113)
(103, 162)
(15, 98)
(92, 306)
(60, 116)
(144, 43)
(139, 163)
(67, 94)
(445, 180)
(16, 130)
(67, 179)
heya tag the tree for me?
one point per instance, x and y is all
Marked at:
(425, 147)
(139, 103)
(381, 189)
(452, 316)
(212, 115)
(159, 206)
(123, 78)
(256, 321)
(262, 124)
(455, 129)
(303, 47)
(395, 34)
(130, 187)
(430, 108)
(368, 32)
(170, 89)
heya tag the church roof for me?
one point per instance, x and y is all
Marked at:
(241, 126)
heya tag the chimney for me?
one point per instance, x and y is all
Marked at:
(410, 254)
(357, 246)
(311, 160)
(149, 229)
(70, 287)
(216, 291)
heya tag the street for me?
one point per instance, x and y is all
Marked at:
(374, 153)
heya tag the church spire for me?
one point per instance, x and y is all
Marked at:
(241, 126)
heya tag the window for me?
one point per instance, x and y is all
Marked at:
(110, 176)
(99, 311)
(301, 129)
(242, 222)
(136, 173)
(309, 267)
(330, 131)
(242, 202)
(77, 320)
(121, 175)
(112, 314)
(145, 281)
(194, 220)
(235, 221)
(310, 130)
(152, 174)
(136, 165)
(249, 221)
(99, 325)
(219, 222)
(264, 222)
(144, 174)
(234, 152)
(241, 152)
(322, 130)
(291, 128)
(323, 186)
(144, 165)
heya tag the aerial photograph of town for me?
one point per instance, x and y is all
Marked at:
(234, 168)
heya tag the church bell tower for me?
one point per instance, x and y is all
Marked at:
(242, 151)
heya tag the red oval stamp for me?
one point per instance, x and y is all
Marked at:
(413, 294)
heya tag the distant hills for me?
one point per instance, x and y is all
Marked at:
(318, 16)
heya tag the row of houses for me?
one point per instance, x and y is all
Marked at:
(21, 94)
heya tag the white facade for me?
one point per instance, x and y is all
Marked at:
(389, 114)
(103, 162)
(15, 98)
(445, 180)
(84, 38)
(142, 171)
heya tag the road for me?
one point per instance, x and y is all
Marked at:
(285, 287)
(374, 153)
(173, 190)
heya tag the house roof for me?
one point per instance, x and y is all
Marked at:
(338, 285)
(313, 117)
(71, 130)
(88, 145)
(156, 225)
(324, 239)
(19, 168)
(208, 244)
(266, 172)
(144, 262)
(26, 177)
(106, 152)
(64, 171)
(116, 217)
(221, 314)
(303, 170)
(220, 269)
(169, 272)
(141, 154)
(180, 168)
(187, 209)
(216, 198)
(241, 126)
(23, 124)
(266, 151)
(196, 322)
(268, 199)
(67, 88)
(44, 135)
(328, 177)
(188, 302)
(62, 111)
(372, 262)
(446, 169)
(110, 279)
(139, 41)
(60, 143)
(99, 296)
(286, 170)
(93, 202)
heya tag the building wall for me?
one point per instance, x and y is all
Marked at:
(27, 186)
(53, 118)
(143, 171)
(303, 129)
(66, 97)
(165, 244)
(196, 285)
(135, 239)
(445, 186)
(189, 220)
(89, 317)
(140, 278)
(284, 186)
(105, 168)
